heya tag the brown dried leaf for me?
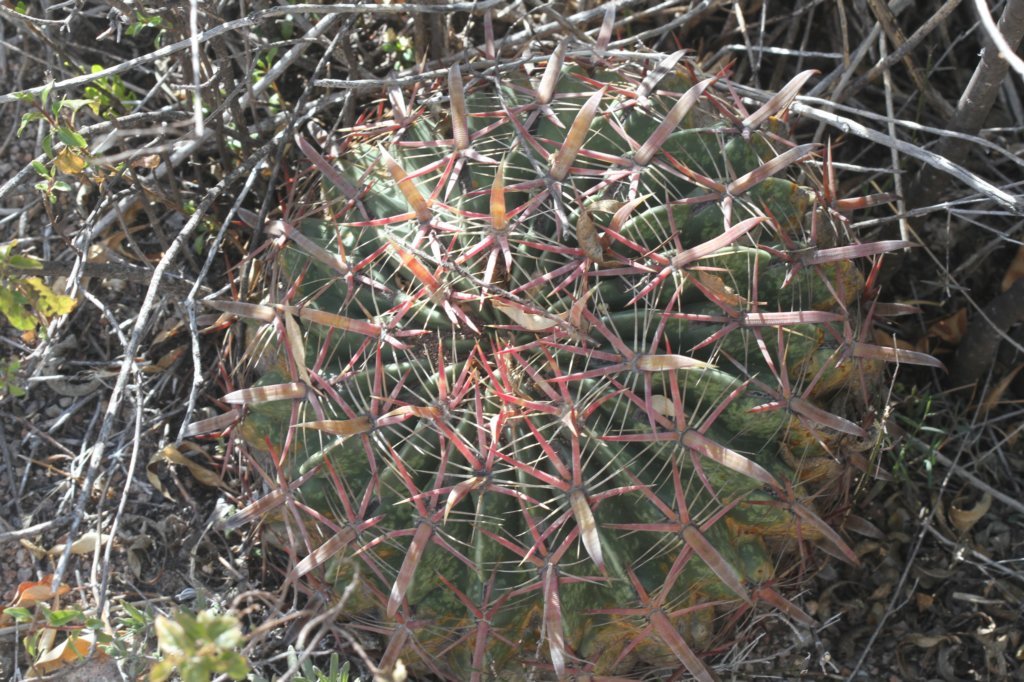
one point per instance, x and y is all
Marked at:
(950, 329)
(586, 236)
(149, 161)
(995, 394)
(1015, 271)
(883, 338)
(923, 641)
(172, 455)
(31, 593)
(965, 519)
(723, 292)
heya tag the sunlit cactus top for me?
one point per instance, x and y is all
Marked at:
(570, 370)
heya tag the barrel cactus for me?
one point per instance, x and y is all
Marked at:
(567, 371)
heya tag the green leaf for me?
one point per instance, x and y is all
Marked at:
(194, 672)
(32, 643)
(18, 613)
(62, 617)
(21, 7)
(44, 95)
(40, 168)
(24, 262)
(12, 305)
(170, 635)
(71, 138)
(161, 671)
(235, 666)
(74, 104)
(133, 613)
(48, 145)
(27, 118)
(61, 186)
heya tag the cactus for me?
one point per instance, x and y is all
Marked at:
(569, 373)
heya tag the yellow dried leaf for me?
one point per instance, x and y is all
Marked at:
(71, 650)
(86, 543)
(69, 163)
(48, 302)
(530, 321)
(34, 549)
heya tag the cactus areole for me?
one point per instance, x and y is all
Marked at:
(569, 373)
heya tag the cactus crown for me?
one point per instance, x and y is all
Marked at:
(568, 370)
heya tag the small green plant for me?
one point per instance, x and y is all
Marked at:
(107, 95)
(54, 637)
(9, 379)
(336, 670)
(198, 647)
(70, 159)
(399, 45)
(26, 301)
(143, 22)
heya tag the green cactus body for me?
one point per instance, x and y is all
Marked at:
(563, 433)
